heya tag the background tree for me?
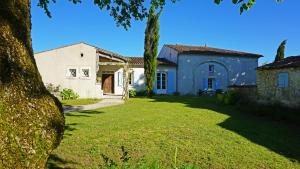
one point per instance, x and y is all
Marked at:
(151, 48)
(31, 119)
(280, 51)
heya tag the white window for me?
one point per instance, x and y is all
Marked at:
(85, 72)
(131, 78)
(120, 78)
(283, 80)
(71, 72)
(161, 80)
(211, 68)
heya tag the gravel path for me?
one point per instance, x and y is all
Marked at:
(102, 103)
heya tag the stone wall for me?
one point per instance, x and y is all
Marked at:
(269, 92)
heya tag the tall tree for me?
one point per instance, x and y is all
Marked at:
(280, 51)
(151, 48)
(31, 119)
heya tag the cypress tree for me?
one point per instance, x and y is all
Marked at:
(280, 51)
(151, 48)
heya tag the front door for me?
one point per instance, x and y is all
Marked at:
(108, 83)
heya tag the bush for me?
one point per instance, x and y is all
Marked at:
(219, 91)
(176, 94)
(231, 97)
(220, 97)
(201, 92)
(141, 93)
(68, 94)
(132, 93)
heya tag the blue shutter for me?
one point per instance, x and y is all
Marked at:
(171, 82)
(283, 80)
(217, 84)
(155, 84)
(205, 84)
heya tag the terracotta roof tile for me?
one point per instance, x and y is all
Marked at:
(184, 49)
(109, 53)
(140, 61)
(289, 62)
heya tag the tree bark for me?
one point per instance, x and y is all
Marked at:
(31, 119)
(125, 94)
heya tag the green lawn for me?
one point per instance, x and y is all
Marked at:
(205, 134)
(79, 102)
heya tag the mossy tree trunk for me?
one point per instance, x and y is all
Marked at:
(31, 119)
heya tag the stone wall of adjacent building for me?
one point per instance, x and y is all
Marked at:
(269, 92)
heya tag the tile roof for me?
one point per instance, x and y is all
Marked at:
(140, 61)
(109, 53)
(289, 62)
(204, 50)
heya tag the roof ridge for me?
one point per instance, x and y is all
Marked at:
(64, 46)
(181, 48)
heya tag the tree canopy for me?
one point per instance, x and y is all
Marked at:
(123, 11)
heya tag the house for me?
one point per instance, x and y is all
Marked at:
(92, 72)
(209, 69)
(280, 82)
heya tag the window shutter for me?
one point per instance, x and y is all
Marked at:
(205, 83)
(120, 79)
(170, 82)
(132, 77)
(155, 84)
(283, 80)
(217, 84)
(286, 80)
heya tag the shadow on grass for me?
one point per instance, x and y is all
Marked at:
(71, 127)
(278, 136)
(85, 113)
(55, 162)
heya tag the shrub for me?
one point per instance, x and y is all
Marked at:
(176, 94)
(201, 92)
(132, 93)
(68, 94)
(231, 97)
(141, 93)
(220, 97)
(219, 91)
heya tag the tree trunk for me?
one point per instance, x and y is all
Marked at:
(31, 119)
(125, 95)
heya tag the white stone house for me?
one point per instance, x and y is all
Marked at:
(92, 72)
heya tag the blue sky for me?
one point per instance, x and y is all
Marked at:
(200, 22)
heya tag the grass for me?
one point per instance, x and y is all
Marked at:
(77, 102)
(201, 132)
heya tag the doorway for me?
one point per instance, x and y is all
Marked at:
(108, 83)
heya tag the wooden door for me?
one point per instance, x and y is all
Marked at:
(108, 83)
